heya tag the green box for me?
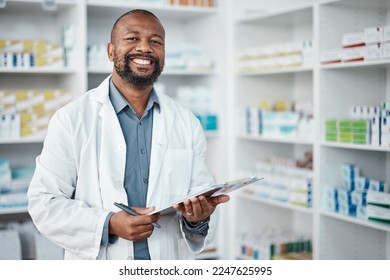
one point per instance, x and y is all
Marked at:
(345, 137)
(331, 136)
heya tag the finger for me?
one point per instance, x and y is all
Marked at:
(204, 203)
(140, 234)
(142, 210)
(219, 199)
(196, 207)
(179, 207)
(188, 208)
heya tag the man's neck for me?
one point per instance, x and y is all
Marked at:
(137, 98)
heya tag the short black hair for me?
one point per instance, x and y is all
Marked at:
(135, 11)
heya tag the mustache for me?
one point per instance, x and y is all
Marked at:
(143, 56)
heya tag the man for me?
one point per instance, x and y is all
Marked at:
(123, 142)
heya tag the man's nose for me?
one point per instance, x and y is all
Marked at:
(143, 46)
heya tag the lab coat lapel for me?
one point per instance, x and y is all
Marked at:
(162, 128)
(112, 159)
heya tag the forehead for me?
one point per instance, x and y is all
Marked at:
(140, 23)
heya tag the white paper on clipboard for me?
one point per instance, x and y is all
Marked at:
(214, 190)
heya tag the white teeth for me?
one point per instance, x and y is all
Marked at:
(141, 61)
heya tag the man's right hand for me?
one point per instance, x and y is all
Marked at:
(133, 228)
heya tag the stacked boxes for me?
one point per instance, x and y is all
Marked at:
(378, 206)
(283, 182)
(368, 125)
(348, 131)
(254, 121)
(198, 3)
(200, 101)
(13, 185)
(25, 54)
(276, 56)
(271, 244)
(358, 196)
(188, 57)
(371, 44)
(27, 112)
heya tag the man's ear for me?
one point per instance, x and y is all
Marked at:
(110, 51)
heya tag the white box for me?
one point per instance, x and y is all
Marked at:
(385, 124)
(359, 198)
(378, 213)
(373, 35)
(362, 184)
(386, 50)
(373, 52)
(353, 54)
(378, 198)
(386, 33)
(353, 39)
(378, 186)
(331, 56)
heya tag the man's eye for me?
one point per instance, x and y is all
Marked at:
(131, 39)
(156, 42)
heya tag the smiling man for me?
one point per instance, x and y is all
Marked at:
(124, 142)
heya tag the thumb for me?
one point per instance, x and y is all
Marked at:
(220, 199)
(143, 211)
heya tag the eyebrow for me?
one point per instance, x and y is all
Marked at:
(137, 33)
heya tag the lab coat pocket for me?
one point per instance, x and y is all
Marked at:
(176, 173)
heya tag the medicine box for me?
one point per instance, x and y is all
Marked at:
(373, 35)
(378, 198)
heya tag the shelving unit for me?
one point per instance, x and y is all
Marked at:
(93, 21)
(251, 213)
(334, 88)
(341, 86)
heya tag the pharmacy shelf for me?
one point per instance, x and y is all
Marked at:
(212, 134)
(276, 71)
(252, 197)
(366, 223)
(341, 65)
(285, 16)
(59, 2)
(39, 71)
(355, 146)
(164, 11)
(22, 140)
(339, 87)
(250, 88)
(13, 210)
(286, 140)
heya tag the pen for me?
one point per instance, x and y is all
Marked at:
(131, 212)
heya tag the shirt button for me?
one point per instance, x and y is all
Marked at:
(121, 147)
(119, 183)
(145, 180)
(130, 258)
(142, 151)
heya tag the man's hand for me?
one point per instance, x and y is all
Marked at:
(199, 208)
(133, 228)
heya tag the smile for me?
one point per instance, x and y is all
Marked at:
(142, 61)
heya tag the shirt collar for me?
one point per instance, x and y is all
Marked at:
(119, 102)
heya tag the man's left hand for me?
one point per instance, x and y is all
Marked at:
(199, 208)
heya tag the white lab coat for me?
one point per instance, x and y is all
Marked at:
(80, 174)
